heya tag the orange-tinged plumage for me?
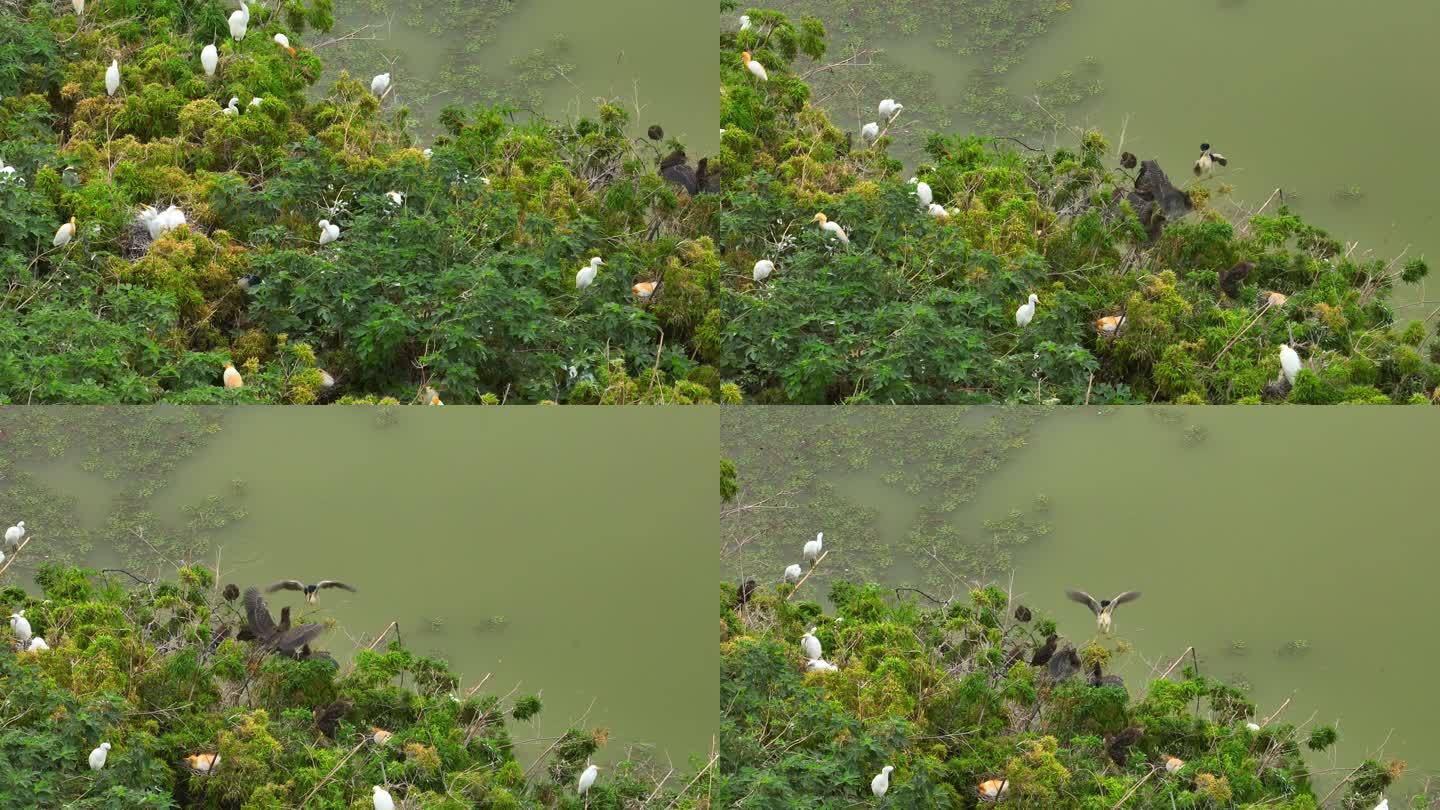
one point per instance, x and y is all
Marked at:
(232, 377)
(202, 763)
(992, 788)
(645, 289)
(1275, 299)
(1110, 323)
(379, 735)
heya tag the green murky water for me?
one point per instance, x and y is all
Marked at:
(1317, 97)
(1246, 529)
(544, 550)
(552, 57)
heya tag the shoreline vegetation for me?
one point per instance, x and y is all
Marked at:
(162, 195)
(1143, 291)
(973, 701)
(172, 672)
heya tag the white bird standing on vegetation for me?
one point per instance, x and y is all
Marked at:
(209, 59)
(328, 232)
(233, 107)
(922, 190)
(870, 131)
(586, 276)
(15, 534)
(881, 783)
(396, 198)
(832, 228)
(158, 222)
(763, 269)
(64, 234)
(811, 645)
(97, 757)
(112, 77)
(1289, 363)
(1026, 312)
(937, 211)
(1252, 726)
(380, 84)
(239, 21)
(756, 69)
(20, 626)
(382, 799)
(587, 778)
(814, 547)
(793, 572)
(889, 108)
(744, 22)
(37, 645)
(232, 377)
(284, 42)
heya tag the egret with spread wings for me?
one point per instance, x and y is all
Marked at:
(311, 592)
(1104, 609)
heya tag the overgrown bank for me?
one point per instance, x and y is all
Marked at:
(1146, 293)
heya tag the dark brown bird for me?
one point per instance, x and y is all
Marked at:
(655, 132)
(1128, 160)
(675, 168)
(328, 718)
(1096, 678)
(231, 592)
(1118, 746)
(1065, 664)
(1042, 655)
(746, 589)
(708, 182)
(1104, 609)
(1231, 279)
(311, 591)
(1022, 614)
(261, 627)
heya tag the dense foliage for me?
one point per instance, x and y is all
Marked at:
(920, 308)
(156, 670)
(947, 694)
(465, 285)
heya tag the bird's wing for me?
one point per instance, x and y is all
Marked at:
(1128, 596)
(286, 585)
(335, 583)
(1219, 158)
(258, 615)
(297, 636)
(1083, 598)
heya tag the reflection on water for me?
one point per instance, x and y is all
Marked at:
(553, 57)
(1291, 547)
(1311, 96)
(543, 550)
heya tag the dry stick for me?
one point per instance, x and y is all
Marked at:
(1241, 334)
(333, 770)
(807, 575)
(686, 789)
(1135, 787)
(1267, 720)
(14, 554)
(1167, 672)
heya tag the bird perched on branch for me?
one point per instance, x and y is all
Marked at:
(1043, 654)
(312, 592)
(1104, 609)
(261, 627)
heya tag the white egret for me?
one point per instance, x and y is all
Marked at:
(922, 190)
(881, 783)
(992, 789)
(232, 377)
(793, 572)
(756, 69)
(380, 84)
(15, 533)
(870, 131)
(64, 234)
(430, 396)
(239, 21)
(814, 547)
(1026, 312)
(5, 171)
(209, 59)
(79, 6)
(1104, 609)
(202, 763)
(112, 77)
(2, 556)
(1173, 764)
(832, 228)
(256, 101)
(233, 107)
(284, 42)
(811, 645)
(328, 232)
(20, 626)
(586, 276)
(1383, 805)
(744, 22)
(763, 269)
(326, 381)
(97, 757)
(820, 665)
(587, 778)
(396, 197)
(937, 211)
(37, 645)
(382, 799)
(1252, 726)
(889, 108)
(1289, 363)
(644, 289)
(428, 152)
(1208, 160)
